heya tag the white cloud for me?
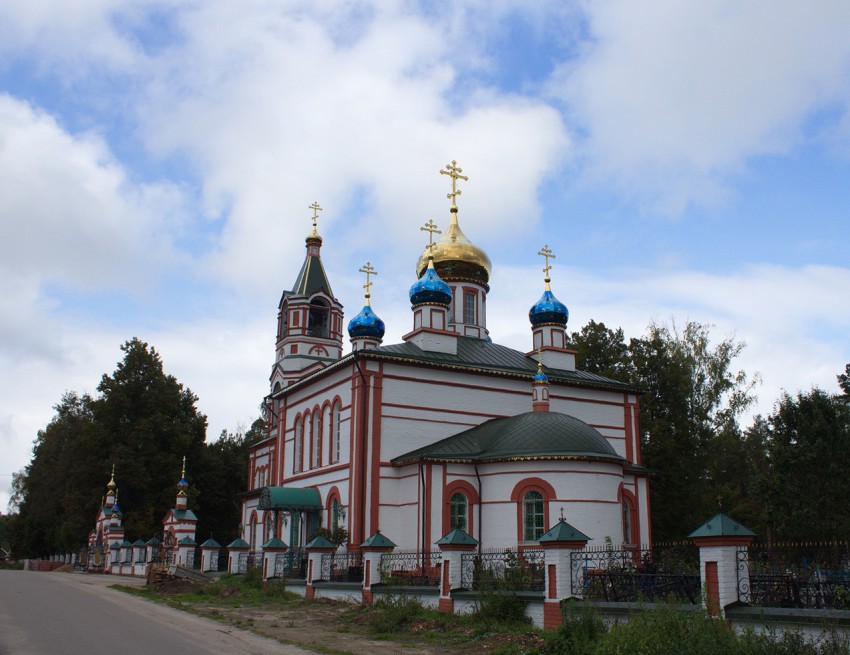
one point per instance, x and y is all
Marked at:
(677, 97)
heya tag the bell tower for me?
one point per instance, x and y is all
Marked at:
(309, 320)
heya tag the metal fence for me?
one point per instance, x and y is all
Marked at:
(811, 576)
(504, 569)
(291, 564)
(668, 572)
(342, 567)
(411, 568)
(248, 561)
(193, 558)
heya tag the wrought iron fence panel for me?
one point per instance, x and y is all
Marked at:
(342, 567)
(632, 574)
(193, 559)
(411, 568)
(810, 576)
(247, 561)
(291, 564)
(504, 569)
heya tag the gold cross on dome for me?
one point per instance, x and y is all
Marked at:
(316, 209)
(368, 269)
(547, 253)
(454, 171)
(431, 228)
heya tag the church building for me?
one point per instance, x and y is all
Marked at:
(444, 430)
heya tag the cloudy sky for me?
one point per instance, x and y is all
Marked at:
(685, 161)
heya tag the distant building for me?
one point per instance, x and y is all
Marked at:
(444, 430)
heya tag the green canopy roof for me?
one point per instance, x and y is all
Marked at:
(457, 537)
(563, 531)
(289, 498)
(721, 525)
(530, 435)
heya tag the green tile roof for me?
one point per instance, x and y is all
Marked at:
(563, 531)
(320, 542)
(457, 537)
(721, 525)
(311, 279)
(274, 542)
(377, 540)
(530, 435)
(485, 356)
(238, 543)
(187, 541)
(210, 543)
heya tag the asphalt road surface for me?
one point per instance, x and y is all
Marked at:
(76, 614)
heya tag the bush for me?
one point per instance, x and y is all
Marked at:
(578, 635)
(669, 631)
(394, 611)
(501, 607)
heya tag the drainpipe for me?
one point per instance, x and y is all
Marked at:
(422, 505)
(480, 504)
(364, 424)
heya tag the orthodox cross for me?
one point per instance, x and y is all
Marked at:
(540, 367)
(316, 209)
(368, 269)
(430, 227)
(547, 253)
(183, 472)
(454, 171)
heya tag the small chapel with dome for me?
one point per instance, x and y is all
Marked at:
(444, 431)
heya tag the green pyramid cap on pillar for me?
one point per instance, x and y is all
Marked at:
(377, 540)
(721, 525)
(457, 537)
(563, 531)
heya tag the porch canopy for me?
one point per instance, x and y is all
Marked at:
(289, 499)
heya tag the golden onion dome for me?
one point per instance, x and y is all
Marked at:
(456, 257)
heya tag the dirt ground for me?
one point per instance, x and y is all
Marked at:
(319, 624)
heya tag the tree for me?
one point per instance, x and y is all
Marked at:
(143, 422)
(689, 421)
(603, 351)
(844, 381)
(805, 490)
(220, 476)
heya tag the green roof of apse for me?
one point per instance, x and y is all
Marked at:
(533, 435)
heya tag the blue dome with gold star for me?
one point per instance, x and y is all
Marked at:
(548, 310)
(430, 288)
(366, 324)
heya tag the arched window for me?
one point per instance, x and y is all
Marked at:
(318, 325)
(533, 523)
(335, 433)
(627, 522)
(298, 446)
(336, 515)
(316, 440)
(269, 527)
(252, 534)
(459, 512)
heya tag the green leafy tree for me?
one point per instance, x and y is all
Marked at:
(805, 490)
(603, 351)
(693, 398)
(844, 381)
(220, 476)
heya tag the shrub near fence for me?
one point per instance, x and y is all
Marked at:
(801, 575)
(662, 572)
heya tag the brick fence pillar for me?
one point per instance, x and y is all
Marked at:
(719, 540)
(372, 549)
(453, 546)
(559, 544)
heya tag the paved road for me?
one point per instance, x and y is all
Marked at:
(78, 614)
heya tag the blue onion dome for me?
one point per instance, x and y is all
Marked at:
(539, 378)
(430, 288)
(366, 324)
(548, 310)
